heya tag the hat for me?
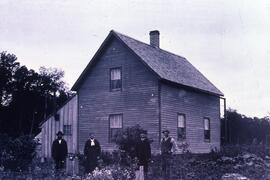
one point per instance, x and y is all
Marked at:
(166, 130)
(60, 133)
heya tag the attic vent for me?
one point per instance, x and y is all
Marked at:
(57, 117)
(154, 38)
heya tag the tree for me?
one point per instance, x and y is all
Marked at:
(27, 97)
(246, 130)
(8, 67)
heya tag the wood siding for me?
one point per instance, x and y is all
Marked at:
(195, 106)
(137, 101)
(68, 116)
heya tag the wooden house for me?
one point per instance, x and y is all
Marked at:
(129, 82)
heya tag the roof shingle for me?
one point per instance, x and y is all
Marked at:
(166, 65)
(169, 66)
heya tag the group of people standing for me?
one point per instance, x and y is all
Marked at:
(92, 152)
(168, 146)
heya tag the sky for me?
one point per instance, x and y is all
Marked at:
(227, 40)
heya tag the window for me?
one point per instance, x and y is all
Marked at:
(181, 127)
(207, 129)
(116, 124)
(67, 130)
(116, 79)
(57, 117)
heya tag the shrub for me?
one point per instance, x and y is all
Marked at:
(127, 139)
(16, 154)
(111, 173)
(107, 158)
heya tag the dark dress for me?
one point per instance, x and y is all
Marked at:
(91, 153)
(143, 153)
(59, 153)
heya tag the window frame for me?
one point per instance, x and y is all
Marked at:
(207, 132)
(111, 140)
(66, 130)
(185, 127)
(121, 81)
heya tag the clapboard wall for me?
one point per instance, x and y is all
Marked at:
(137, 101)
(195, 106)
(68, 115)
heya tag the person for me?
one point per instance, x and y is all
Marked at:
(168, 147)
(143, 153)
(92, 152)
(59, 151)
(125, 150)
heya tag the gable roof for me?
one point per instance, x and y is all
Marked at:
(166, 65)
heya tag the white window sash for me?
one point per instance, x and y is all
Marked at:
(115, 74)
(181, 121)
(116, 121)
(206, 124)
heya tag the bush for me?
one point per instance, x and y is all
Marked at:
(111, 173)
(107, 158)
(16, 154)
(127, 139)
(250, 161)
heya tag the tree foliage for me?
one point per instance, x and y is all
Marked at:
(27, 96)
(246, 130)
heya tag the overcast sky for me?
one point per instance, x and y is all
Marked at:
(227, 40)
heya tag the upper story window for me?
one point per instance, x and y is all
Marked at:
(67, 130)
(181, 127)
(116, 124)
(206, 129)
(116, 79)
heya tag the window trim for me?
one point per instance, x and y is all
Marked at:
(204, 131)
(110, 135)
(121, 77)
(185, 126)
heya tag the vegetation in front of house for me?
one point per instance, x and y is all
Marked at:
(252, 161)
(16, 154)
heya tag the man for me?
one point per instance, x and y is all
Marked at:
(92, 152)
(143, 152)
(125, 150)
(59, 151)
(168, 147)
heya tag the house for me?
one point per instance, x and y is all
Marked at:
(129, 82)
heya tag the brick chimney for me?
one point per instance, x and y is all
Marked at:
(154, 38)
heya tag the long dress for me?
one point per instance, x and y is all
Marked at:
(92, 151)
